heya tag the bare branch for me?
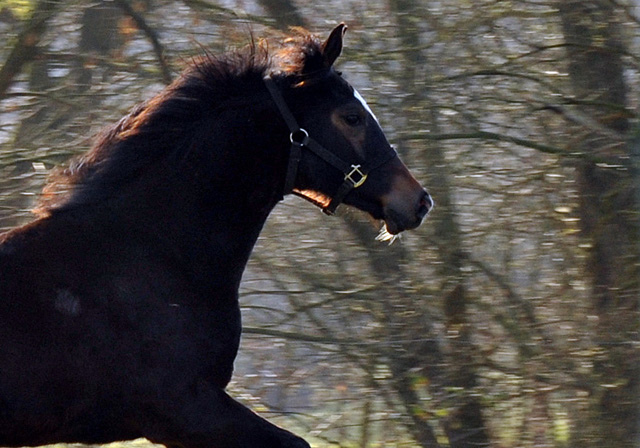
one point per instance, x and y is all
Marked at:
(547, 149)
(293, 336)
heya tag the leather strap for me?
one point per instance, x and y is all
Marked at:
(354, 175)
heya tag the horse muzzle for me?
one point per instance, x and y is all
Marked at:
(407, 203)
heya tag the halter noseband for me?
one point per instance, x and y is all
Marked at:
(354, 175)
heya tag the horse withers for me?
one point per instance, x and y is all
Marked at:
(119, 314)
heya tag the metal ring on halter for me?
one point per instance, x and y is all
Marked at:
(305, 137)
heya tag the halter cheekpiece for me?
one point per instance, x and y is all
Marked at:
(354, 174)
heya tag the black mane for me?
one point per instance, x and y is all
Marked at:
(164, 127)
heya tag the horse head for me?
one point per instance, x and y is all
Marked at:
(339, 152)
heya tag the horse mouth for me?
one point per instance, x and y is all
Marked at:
(392, 229)
(397, 221)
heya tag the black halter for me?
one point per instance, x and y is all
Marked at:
(354, 175)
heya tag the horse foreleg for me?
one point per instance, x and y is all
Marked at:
(212, 419)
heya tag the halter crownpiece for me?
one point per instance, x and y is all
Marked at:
(354, 174)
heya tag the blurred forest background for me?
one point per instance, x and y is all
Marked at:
(510, 318)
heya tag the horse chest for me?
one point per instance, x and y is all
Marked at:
(174, 322)
(137, 319)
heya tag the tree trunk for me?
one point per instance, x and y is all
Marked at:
(411, 349)
(609, 220)
(464, 424)
(284, 12)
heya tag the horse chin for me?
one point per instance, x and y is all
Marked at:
(390, 227)
(393, 223)
(386, 236)
(396, 223)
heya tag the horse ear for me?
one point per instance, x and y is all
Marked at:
(332, 48)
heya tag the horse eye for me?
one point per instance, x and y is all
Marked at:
(352, 119)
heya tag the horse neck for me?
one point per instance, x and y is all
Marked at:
(211, 209)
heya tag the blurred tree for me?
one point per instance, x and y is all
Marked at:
(464, 422)
(27, 54)
(609, 217)
(413, 361)
(284, 12)
(25, 47)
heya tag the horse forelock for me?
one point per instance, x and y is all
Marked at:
(300, 56)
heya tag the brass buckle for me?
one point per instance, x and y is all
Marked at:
(355, 170)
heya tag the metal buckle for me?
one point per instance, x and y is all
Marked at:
(299, 133)
(356, 170)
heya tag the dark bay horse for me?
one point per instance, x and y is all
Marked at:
(119, 313)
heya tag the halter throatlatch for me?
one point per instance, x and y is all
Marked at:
(354, 174)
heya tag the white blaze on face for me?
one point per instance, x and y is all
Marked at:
(364, 104)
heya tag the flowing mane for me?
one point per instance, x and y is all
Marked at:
(166, 127)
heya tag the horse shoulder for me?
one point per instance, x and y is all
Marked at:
(112, 294)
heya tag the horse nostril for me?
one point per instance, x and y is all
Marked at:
(425, 204)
